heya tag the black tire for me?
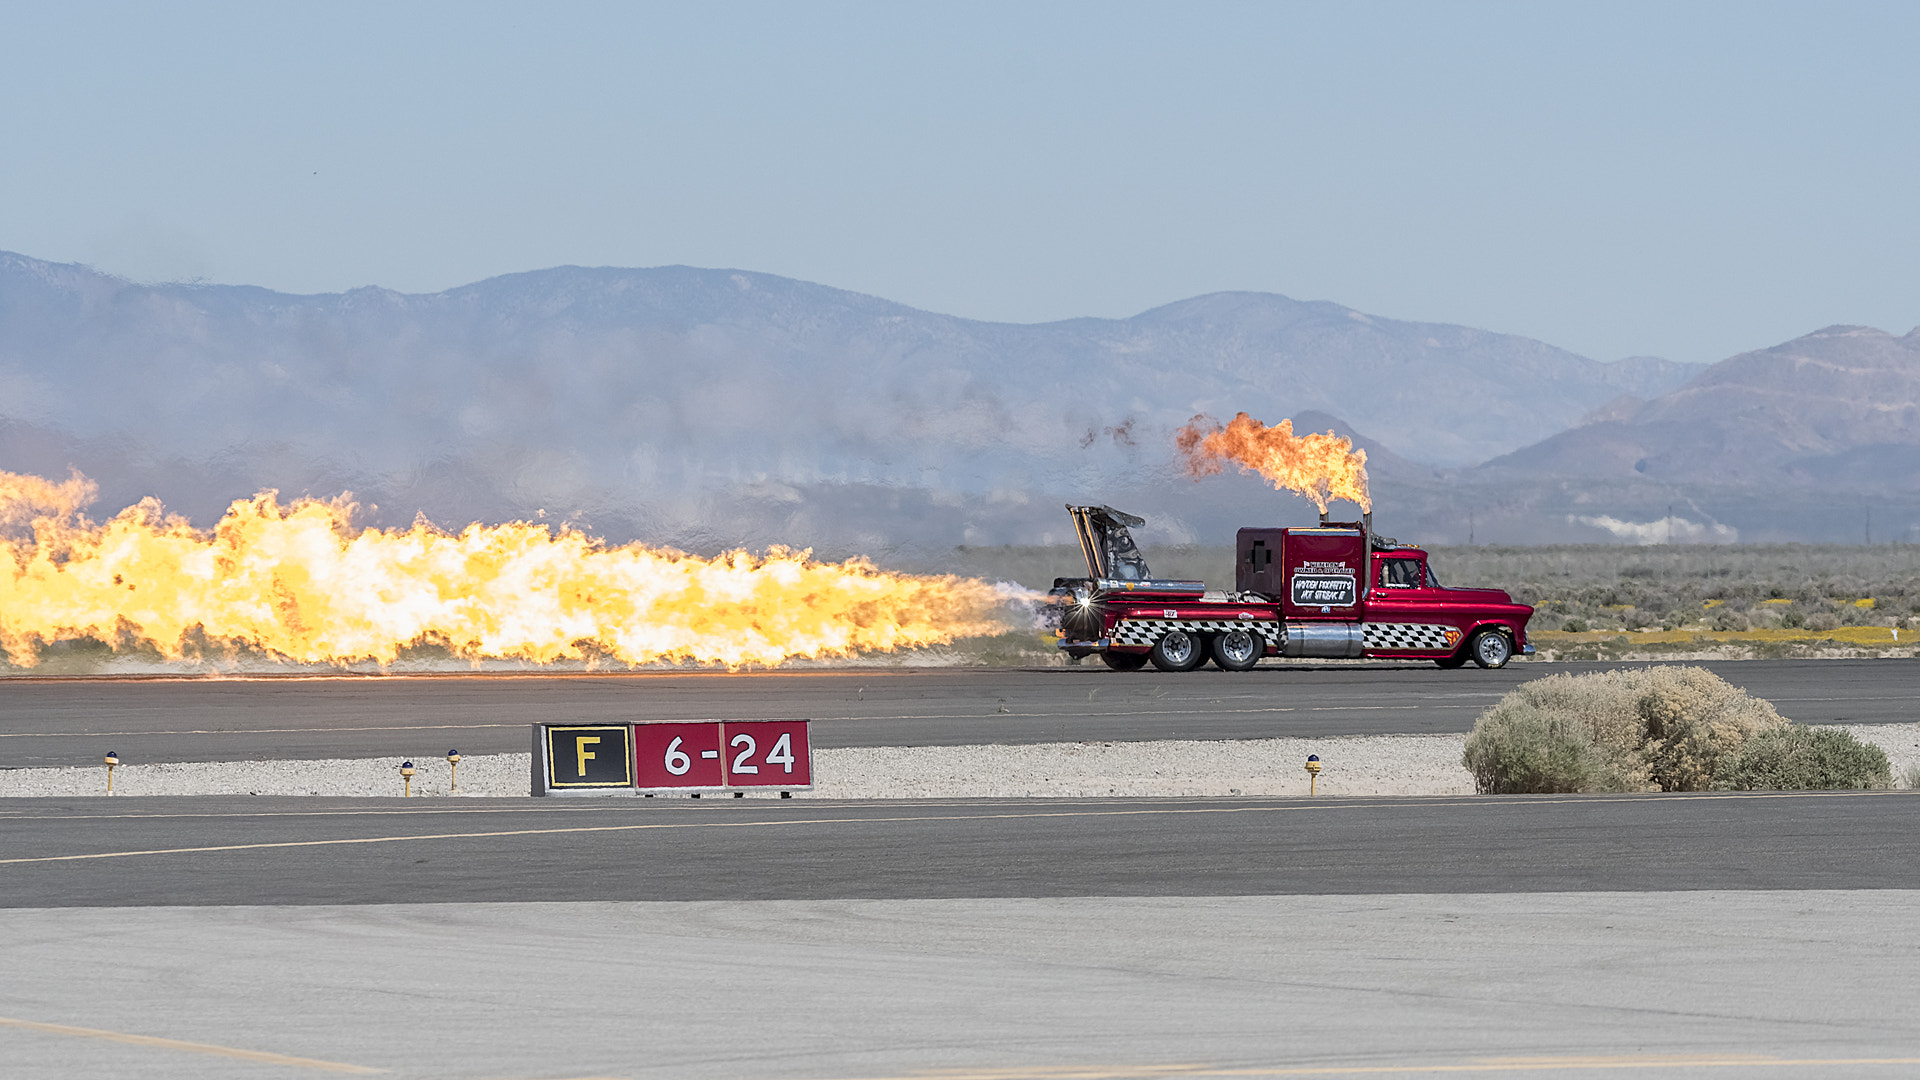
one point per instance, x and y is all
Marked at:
(1490, 649)
(1457, 660)
(1178, 650)
(1124, 661)
(1238, 649)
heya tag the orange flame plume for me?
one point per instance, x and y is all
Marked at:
(1321, 467)
(23, 498)
(297, 581)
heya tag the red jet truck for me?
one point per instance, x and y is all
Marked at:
(1336, 590)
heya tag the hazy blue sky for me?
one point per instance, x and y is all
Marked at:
(1681, 180)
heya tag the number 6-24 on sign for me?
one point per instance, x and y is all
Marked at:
(712, 754)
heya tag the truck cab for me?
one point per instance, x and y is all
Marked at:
(1410, 613)
(1346, 591)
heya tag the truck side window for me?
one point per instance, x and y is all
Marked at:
(1400, 573)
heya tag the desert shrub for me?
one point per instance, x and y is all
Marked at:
(1575, 625)
(1795, 758)
(1518, 748)
(1793, 618)
(1690, 719)
(1911, 778)
(1669, 727)
(1822, 621)
(1728, 619)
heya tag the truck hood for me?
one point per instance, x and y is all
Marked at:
(1479, 596)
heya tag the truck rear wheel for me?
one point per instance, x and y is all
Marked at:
(1491, 649)
(1124, 661)
(1177, 650)
(1238, 650)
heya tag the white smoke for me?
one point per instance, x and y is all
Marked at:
(1666, 530)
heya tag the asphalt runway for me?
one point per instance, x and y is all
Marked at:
(52, 722)
(197, 851)
(1668, 937)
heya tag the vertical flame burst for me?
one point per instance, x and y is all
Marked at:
(1321, 467)
(299, 582)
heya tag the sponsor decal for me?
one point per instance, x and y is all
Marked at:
(1323, 590)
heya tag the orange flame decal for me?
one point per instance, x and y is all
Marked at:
(1321, 467)
(299, 582)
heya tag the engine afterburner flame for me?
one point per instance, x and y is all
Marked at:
(1321, 467)
(299, 582)
(23, 498)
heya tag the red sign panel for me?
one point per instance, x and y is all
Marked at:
(713, 754)
(677, 756)
(768, 753)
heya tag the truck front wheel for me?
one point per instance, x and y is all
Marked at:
(1124, 661)
(1177, 650)
(1238, 650)
(1491, 649)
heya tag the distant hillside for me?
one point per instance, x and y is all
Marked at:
(712, 407)
(1838, 408)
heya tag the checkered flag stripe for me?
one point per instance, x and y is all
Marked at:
(1394, 637)
(1148, 631)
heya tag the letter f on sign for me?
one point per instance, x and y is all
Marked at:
(586, 755)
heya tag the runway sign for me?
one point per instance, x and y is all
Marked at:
(672, 756)
(587, 757)
(717, 755)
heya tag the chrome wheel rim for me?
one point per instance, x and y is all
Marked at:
(1237, 646)
(1177, 646)
(1493, 649)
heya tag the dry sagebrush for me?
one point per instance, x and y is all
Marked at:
(1659, 728)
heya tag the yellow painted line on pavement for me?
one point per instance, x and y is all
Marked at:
(637, 828)
(1324, 806)
(1484, 1065)
(212, 1049)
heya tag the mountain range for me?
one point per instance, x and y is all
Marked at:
(714, 408)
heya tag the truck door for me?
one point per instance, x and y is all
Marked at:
(1405, 612)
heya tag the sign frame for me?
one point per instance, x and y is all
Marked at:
(545, 781)
(794, 746)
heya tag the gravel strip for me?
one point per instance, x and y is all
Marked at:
(1358, 765)
(1367, 765)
